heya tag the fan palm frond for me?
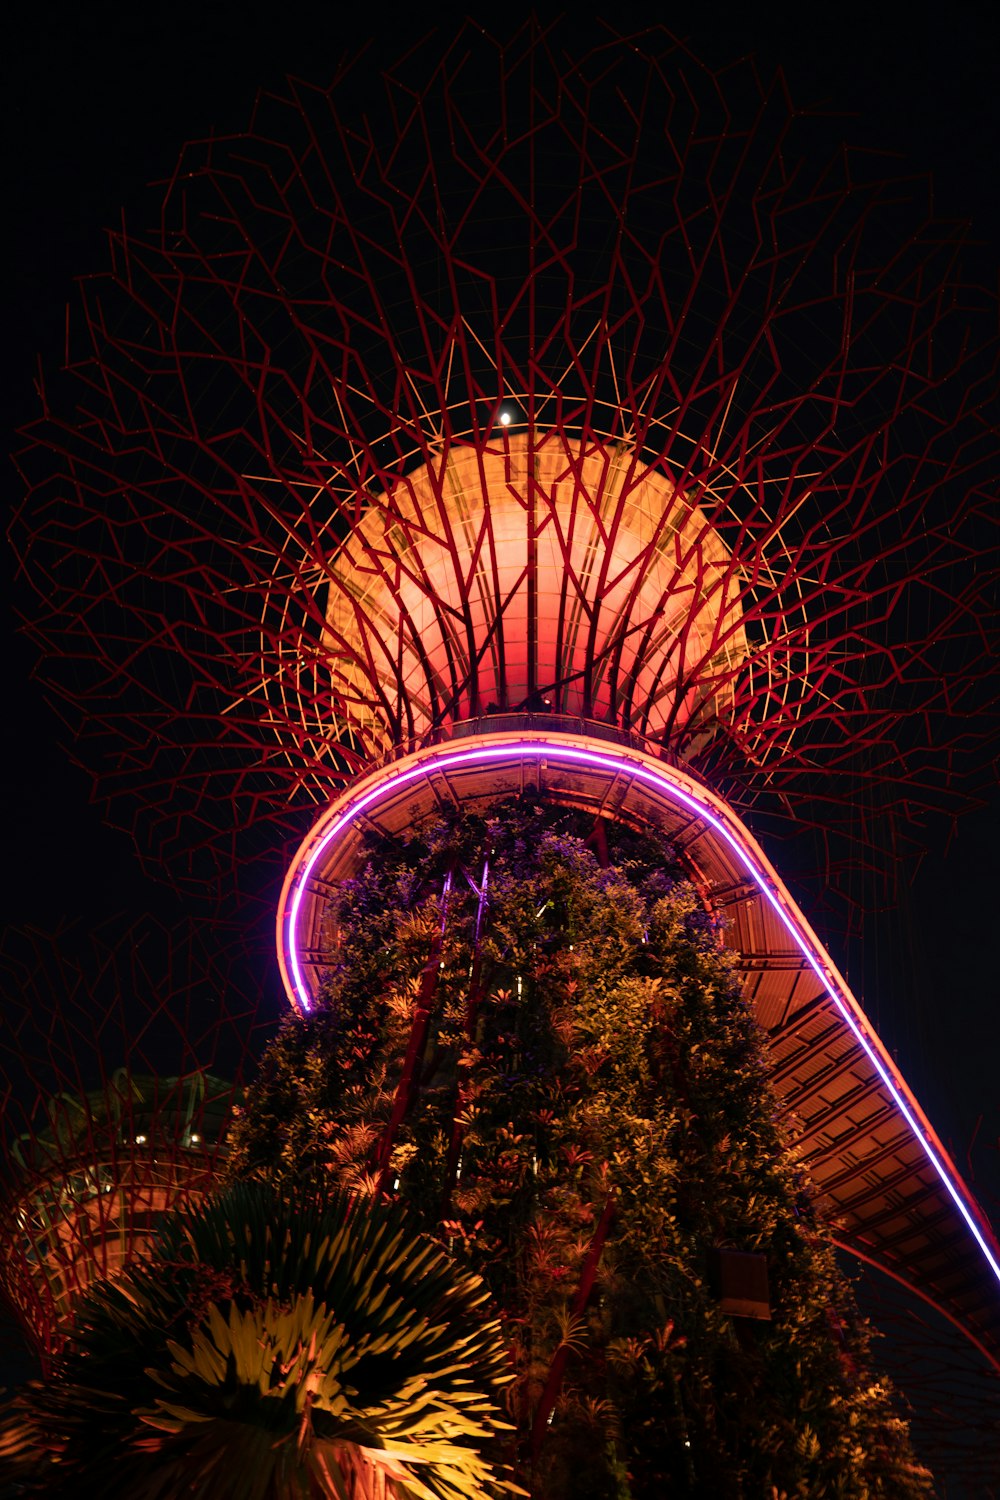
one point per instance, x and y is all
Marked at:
(272, 1349)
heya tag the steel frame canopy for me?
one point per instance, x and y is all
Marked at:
(87, 1190)
(615, 249)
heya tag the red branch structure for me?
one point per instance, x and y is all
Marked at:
(627, 258)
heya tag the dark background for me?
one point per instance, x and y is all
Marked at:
(98, 99)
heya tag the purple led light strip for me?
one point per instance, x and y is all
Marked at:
(665, 784)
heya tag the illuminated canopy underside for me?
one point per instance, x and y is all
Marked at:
(554, 569)
(885, 1181)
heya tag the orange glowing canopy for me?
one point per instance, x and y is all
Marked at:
(559, 573)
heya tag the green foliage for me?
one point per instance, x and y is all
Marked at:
(270, 1350)
(584, 1058)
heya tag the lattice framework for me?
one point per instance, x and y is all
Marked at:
(621, 260)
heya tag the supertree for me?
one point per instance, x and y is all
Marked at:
(112, 1112)
(543, 427)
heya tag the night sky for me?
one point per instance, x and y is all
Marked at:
(98, 98)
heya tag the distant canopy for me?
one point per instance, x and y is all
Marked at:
(86, 1189)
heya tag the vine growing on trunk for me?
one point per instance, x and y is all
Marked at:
(530, 1035)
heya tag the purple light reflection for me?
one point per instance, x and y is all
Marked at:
(703, 807)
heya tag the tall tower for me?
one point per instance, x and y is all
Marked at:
(543, 428)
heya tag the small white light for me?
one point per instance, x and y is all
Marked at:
(195, 1138)
(505, 419)
(140, 1140)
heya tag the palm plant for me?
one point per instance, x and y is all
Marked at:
(271, 1349)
